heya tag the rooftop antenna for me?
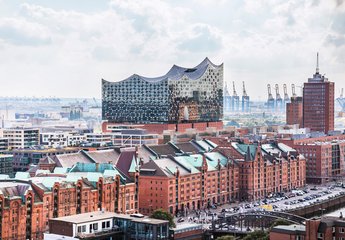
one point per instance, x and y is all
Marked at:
(317, 63)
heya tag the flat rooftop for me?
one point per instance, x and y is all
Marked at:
(289, 228)
(99, 215)
(148, 220)
(90, 217)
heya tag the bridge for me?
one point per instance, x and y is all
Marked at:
(244, 222)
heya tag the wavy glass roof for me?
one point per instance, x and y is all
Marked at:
(177, 72)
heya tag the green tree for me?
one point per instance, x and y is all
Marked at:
(280, 222)
(227, 237)
(257, 235)
(164, 215)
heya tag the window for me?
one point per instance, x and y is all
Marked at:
(95, 226)
(341, 230)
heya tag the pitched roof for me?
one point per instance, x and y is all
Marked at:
(187, 147)
(104, 156)
(124, 162)
(164, 149)
(69, 160)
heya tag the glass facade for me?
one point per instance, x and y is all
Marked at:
(182, 95)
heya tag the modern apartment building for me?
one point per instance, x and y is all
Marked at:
(99, 139)
(109, 225)
(3, 144)
(318, 103)
(20, 138)
(182, 95)
(62, 139)
(54, 139)
(6, 164)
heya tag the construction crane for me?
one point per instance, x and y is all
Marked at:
(279, 100)
(227, 99)
(286, 96)
(245, 100)
(341, 100)
(270, 100)
(96, 104)
(235, 99)
(293, 90)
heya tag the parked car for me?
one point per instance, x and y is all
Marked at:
(291, 195)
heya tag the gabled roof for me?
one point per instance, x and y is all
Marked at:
(71, 159)
(205, 145)
(124, 162)
(164, 149)
(46, 160)
(187, 147)
(244, 149)
(152, 169)
(104, 156)
(215, 156)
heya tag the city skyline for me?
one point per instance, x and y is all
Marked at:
(65, 48)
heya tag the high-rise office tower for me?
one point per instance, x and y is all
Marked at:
(318, 102)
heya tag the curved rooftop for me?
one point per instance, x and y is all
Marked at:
(178, 72)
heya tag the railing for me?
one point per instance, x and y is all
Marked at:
(99, 233)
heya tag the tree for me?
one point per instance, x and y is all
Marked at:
(280, 222)
(257, 235)
(226, 237)
(164, 215)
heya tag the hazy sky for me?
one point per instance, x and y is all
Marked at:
(64, 47)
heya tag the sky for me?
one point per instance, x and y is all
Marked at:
(64, 48)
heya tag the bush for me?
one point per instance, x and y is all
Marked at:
(163, 215)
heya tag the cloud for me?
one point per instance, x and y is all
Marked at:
(336, 40)
(21, 32)
(260, 42)
(201, 38)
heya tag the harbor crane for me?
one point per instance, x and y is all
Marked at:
(279, 100)
(270, 100)
(235, 99)
(245, 100)
(286, 95)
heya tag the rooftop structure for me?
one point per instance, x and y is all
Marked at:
(96, 225)
(183, 94)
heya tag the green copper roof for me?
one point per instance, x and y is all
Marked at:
(185, 161)
(215, 156)
(61, 170)
(133, 167)
(242, 148)
(22, 175)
